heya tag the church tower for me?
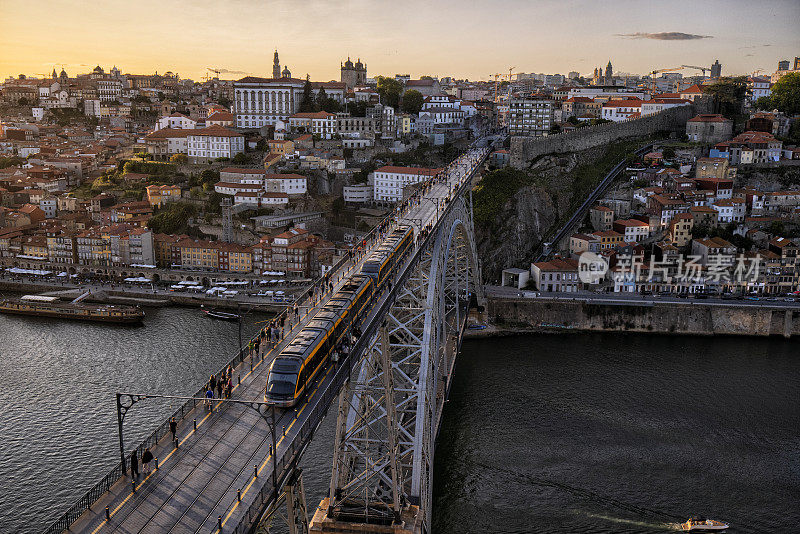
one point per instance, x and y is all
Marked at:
(609, 73)
(276, 66)
(54, 73)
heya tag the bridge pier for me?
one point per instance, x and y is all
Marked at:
(411, 522)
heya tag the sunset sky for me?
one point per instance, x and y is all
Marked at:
(462, 38)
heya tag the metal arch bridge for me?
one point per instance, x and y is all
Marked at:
(231, 467)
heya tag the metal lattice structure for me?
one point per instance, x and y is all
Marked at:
(389, 415)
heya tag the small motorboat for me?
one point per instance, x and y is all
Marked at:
(476, 326)
(225, 316)
(696, 523)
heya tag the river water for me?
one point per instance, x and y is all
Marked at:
(560, 433)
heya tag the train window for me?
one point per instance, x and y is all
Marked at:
(281, 384)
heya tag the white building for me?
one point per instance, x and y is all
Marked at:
(531, 117)
(290, 184)
(265, 101)
(730, 209)
(443, 115)
(208, 144)
(759, 86)
(320, 123)
(620, 110)
(261, 198)
(389, 181)
(91, 108)
(49, 205)
(241, 175)
(109, 89)
(164, 143)
(357, 194)
(177, 121)
(234, 188)
(651, 107)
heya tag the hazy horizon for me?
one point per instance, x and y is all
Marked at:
(464, 39)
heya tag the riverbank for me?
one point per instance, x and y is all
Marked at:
(510, 316)
(138, 297)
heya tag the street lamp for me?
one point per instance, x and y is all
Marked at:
(125, 402)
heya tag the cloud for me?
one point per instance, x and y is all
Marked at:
(665, 36)
(226, 71)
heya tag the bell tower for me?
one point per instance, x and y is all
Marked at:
(276, 66)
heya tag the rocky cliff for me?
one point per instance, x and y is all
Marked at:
(515, 209)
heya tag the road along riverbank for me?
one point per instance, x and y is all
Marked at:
(515, 315)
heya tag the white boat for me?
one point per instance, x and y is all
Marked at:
(695, 523)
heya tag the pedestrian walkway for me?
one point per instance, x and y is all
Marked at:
(224, 462)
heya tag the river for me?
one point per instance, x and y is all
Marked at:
(559, 433)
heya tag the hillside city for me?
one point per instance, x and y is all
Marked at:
(153, 178)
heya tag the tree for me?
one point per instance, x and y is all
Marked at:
(389, 90)
(240, 159)
(224, 101)
(172, 219)
(573, 120)
(322, 98)
(668, 152)
(786, 94)
(23, 101)
(180, 159)
(412, 101)
(307, 103)
(357, 109)
(729, 95)
(765, 103)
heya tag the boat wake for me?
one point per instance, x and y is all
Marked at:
(584, 493)
(633, 523)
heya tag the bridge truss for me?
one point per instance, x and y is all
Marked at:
(389, 415)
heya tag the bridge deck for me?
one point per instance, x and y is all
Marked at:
(197, 483)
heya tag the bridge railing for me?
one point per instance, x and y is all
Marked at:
(118, 471)
(289, 459)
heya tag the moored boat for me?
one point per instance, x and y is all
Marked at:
(225, 316)
(695, 523)
(40, 306)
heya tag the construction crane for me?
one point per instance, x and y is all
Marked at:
(704, 69)
(215, 71)
(657, 71)
(497, 82)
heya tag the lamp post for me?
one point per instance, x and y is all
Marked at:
(125, 402)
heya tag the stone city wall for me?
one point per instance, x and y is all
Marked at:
(693, 318)
(524, 149)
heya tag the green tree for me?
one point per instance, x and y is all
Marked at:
(322, 98)
(173, 218)
(668, 152)
(240, 159)
(180, 159)
(765, 103)
(412, 101)
(786, 94)
(729, 95)
(307, 103)
(357, 109)
(389, 90)
(224, 101)
(23, 101)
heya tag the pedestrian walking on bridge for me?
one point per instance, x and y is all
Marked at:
(173, 427)
(134, 464)
(147, 457)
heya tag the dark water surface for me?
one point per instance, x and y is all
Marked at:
(567, 433)
(620, 433)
